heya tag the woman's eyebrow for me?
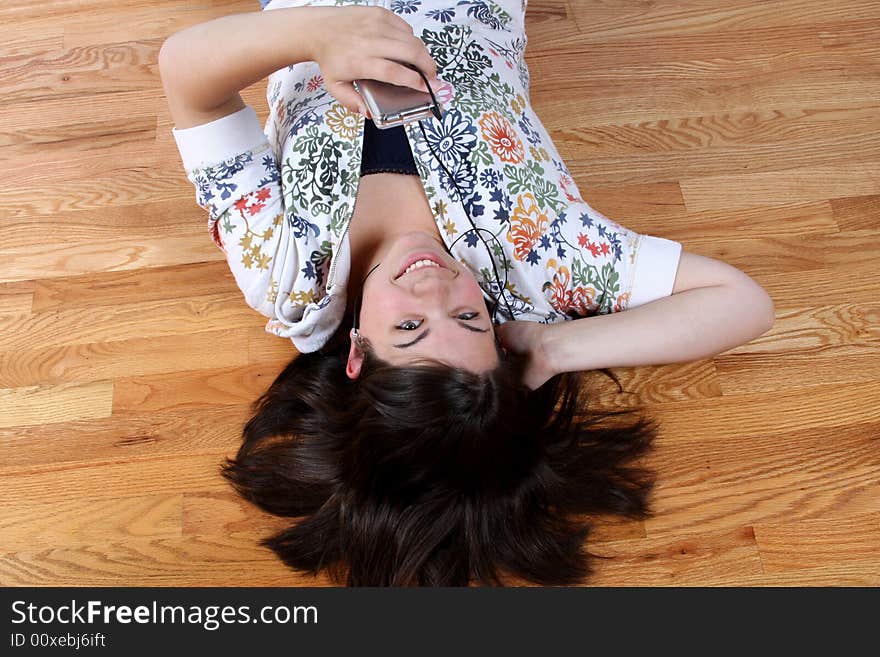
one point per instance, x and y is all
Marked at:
(410, 344)
(425, 334)
(472, 328)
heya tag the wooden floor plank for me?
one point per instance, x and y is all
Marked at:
(565, 108)
(676, 382)
(780, 187)
(112, 288)
(851, 282)
(30, 118)
(727, 132)
(125, 440)
(811, 544)
(232, 560)
(119, 253)
(107, 68)
(33, 405)
(768, 372)
(704, 559)
(746, 130)
(112, 182)
(17, 298)
(166, 317)
(123, 359)
(730, 416)
(111, 479)
(857, 213)
(78, 521)
(106, 221)
(267, 347)
(721, 482)
(640, 20)
(106, 169)
(194, 389)
(44, 145)
(775, 254)
(20, 43)
(829, 575)
(842, 328)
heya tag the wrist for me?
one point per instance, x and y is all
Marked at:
(301, 30)
(546, 349)
(304, 27)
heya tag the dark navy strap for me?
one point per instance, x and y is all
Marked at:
(386, 151)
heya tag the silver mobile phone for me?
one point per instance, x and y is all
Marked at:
(391, 105)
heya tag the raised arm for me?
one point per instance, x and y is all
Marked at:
(713, 307)
(204, 67)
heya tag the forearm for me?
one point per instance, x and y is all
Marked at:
(693, 324)
(205, 65)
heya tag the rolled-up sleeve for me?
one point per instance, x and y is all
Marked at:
(235, 172)
(656, 265)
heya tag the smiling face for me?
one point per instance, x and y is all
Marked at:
(419, 302)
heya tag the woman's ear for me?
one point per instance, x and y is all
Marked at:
(355, 358)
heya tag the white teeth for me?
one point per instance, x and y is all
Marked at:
(418, 264)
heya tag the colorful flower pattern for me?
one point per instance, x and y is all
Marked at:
(527, 226)
(494, 159)
(501, 136)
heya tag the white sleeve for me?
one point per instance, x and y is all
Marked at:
(237, 179)
(656, 265)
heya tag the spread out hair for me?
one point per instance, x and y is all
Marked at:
(436, 476)
(431, 475)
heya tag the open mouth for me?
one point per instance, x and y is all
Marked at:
(419, 261)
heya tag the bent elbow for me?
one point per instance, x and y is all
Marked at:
(169, 65)
(764, 310)
(166, 57)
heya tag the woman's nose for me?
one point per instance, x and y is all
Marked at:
(431, 286)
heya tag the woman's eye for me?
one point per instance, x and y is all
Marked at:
(410, 325)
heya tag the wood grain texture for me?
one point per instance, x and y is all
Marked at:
(747, 130)
(846, 541)
(78, 444)
(48, 404)
(83, 521)
(689, 559)
(111, 478)
(121, 358)
(713, 482)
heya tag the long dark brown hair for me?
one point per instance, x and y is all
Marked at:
(430, 475)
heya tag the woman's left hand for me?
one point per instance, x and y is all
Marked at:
(353, 42)
(521, 337)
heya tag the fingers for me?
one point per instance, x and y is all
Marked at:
(345, 93)
(393, 67)
(397, 22)
(386, 49)
(408, 49)
(503, 337)
(421, 58)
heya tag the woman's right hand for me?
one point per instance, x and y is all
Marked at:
(371, 42)
(527, 338)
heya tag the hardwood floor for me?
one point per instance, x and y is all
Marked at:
(748, 130)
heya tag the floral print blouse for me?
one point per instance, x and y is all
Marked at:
(280, 198)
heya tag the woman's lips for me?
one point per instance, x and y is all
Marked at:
(415, 257)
